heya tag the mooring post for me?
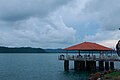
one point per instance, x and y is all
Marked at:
(106, 65)
(101, 65)
(111, 65)
(66, 65)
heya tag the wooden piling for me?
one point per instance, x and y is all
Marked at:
(101, 65)
(111, 65)
(66, 65)
(106, 65)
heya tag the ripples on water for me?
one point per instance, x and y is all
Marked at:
(36, 67)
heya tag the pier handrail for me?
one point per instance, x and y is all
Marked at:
(87, 57)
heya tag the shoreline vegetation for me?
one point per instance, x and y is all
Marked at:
(105, 75)
(115, 75)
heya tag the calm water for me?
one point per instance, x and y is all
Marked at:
(36, 67)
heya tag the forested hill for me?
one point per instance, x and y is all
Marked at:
(21, 50)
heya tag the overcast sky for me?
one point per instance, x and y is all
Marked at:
(59, 23)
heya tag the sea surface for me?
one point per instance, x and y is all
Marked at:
(35, 66)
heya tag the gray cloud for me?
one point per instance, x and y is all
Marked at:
(33, 23)
(49, 32)
(45, 23)
(14, 10)
(107, 12)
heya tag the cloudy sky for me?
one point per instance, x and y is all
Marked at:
(59, 23)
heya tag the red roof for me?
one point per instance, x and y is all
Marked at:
(88, 46)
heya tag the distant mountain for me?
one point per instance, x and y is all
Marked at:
(59, 51)
(33, 50)
(21, 50)
(55, 50)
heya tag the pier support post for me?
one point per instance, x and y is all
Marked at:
(90, 65)
(101, 65)
(94, 65)
(66, 65)
(111, 65)
(82, 65)
(79, 65)
(75, 65)
(87, 65)
(107, 65)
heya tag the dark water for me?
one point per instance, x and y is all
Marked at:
(36, 67)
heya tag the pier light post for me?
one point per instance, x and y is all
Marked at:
(79, 52)
(66, 54)
(111, 53)
(101, 54)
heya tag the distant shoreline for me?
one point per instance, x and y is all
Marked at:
(29, 50)
(37, 50)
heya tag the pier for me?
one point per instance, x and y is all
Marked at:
(87, 61)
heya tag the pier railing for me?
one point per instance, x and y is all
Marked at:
(88, 57)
